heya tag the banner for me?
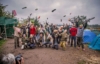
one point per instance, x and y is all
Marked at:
(14, 13)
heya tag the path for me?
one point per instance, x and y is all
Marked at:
(51, 56)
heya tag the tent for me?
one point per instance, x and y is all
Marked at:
(6, 26)
(88, 36)
(95, 45)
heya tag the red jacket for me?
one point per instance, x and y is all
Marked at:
(73, 31)
(33, 31)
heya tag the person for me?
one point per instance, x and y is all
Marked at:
(63, 39)
(32, 30)
(19, 59)
(51, 26)
(40, 39)
(17, 33)
(73, 32)
(23, 28)
(69, 38)
(28, 30)
(55, 39)
(11, 59)
(80, 36)
(24, 41)
(32, 42)
(60, 30)
(49, 40)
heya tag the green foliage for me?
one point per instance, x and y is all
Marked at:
(35, 21)
(3, 12)
(2, 42)
(80, 19)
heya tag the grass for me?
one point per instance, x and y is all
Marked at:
(2, 42)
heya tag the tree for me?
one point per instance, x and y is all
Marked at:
(36, 22)
(3, 12)
(2, 7)
(80, 20)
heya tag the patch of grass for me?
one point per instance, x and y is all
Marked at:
(2, 42)
(81, 62)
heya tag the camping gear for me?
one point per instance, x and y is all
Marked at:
(95, 45)
(88, 36)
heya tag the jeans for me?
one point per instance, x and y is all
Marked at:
(73, 38)
(47, 44)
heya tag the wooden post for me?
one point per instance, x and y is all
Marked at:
(0, 31)
(5, 31)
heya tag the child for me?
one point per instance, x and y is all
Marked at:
(63, 39)
(55, 39)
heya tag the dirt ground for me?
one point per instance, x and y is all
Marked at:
(50, 56)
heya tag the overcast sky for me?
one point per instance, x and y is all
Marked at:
(89, 8)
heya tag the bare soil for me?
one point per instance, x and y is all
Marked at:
(50, 56)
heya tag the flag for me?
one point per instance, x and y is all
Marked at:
(39, 17)
(14, 13)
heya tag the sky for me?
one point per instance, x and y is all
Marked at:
(89, 8)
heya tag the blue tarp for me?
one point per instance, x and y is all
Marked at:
(88, 36)
(95, 45)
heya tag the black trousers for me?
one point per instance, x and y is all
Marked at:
(79, 42)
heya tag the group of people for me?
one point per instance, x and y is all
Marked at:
(49, 35)
(52, 36)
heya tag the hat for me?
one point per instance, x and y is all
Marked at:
(55, 31)
(81, 25)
